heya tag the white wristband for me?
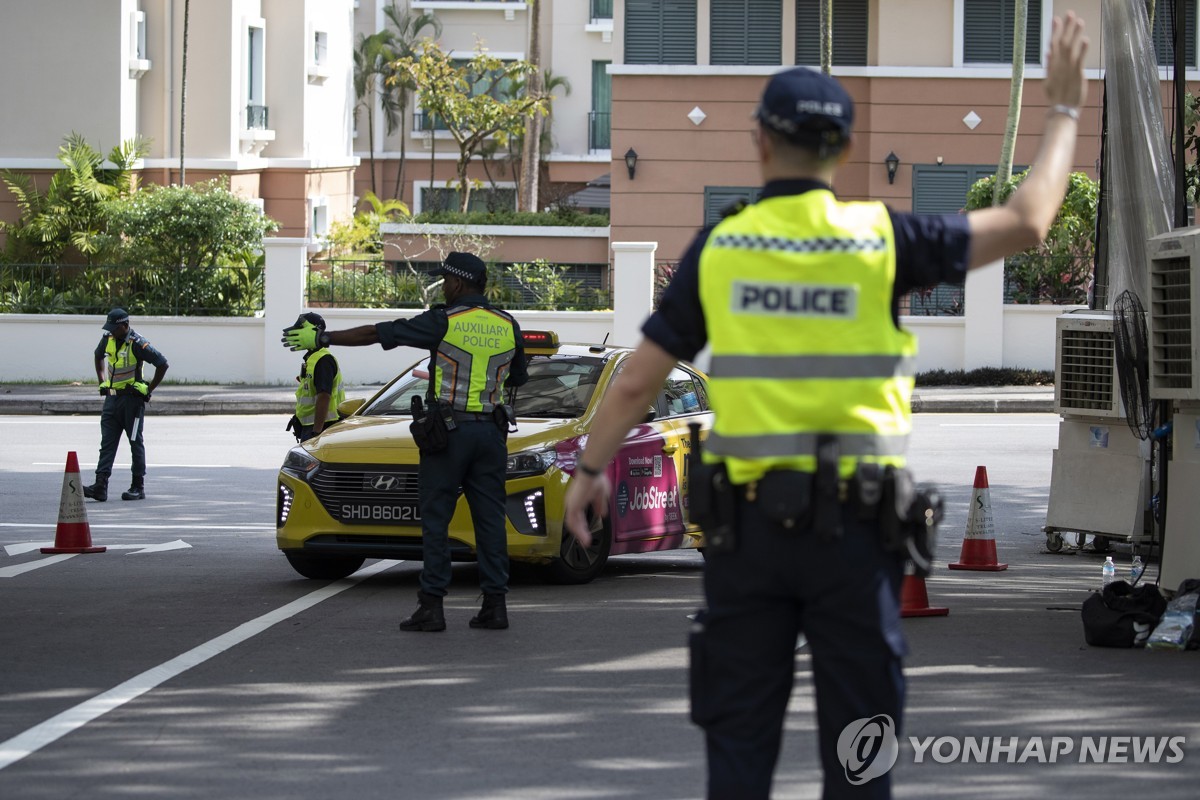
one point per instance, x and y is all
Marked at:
(1070, 111)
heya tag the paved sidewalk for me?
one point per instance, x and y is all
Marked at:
(245, 399)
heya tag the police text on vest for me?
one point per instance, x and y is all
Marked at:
(795, 299)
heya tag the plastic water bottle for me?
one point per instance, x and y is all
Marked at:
(1135, 570)
(1109, 572)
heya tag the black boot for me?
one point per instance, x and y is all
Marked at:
(98, 491)
(137, 491)
(427, 617)
(492, 614)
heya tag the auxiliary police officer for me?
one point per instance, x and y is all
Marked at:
(119, 359)
(797, 296)
(319, 389)
(477, 351)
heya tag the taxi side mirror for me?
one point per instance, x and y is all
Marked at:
(348, 407)
(651, 414)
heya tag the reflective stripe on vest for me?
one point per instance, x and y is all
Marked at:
(306, 393)
(122, 365)
(474, 357)
(797, 297)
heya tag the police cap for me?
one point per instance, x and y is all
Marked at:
(115, 318)
(467, 266)
(808, 108)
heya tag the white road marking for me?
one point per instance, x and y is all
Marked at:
(997, 424)
(58, 726)
(17, 569)
(83, 466)
(252, 526)
(29, 547)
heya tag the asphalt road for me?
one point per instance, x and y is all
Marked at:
(190, 661)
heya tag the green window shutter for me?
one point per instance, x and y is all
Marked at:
(718, 199)
(1164, 34)
(747, 32)
(600, 119)
(988, 31)
(849, 32)
(660, 32)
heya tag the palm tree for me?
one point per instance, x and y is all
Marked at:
(405, 39)
(372, 57)
(1004, 168)
(531, 162)
(187, 7)
(826, 36)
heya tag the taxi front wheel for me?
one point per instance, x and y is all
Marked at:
(324, 568)
(577, 564)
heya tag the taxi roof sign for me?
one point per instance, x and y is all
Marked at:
(540, 339)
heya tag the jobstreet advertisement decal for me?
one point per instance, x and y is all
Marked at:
(868, 748)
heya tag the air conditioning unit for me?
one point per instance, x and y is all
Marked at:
(1173, 306)
(1085, 374)
(1175, 376)
(1099, 478)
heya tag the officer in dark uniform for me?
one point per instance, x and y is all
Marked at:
(797, 296)
(477, 352)
(119, 359)
(319, 389)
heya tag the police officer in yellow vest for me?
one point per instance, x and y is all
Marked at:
(811, 378)
(478, 351)
(119, 359)
(319, 390)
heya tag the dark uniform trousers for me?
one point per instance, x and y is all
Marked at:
(473, 459)
(843, 595)
(122, 415)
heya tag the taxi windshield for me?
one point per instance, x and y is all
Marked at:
(559, 386)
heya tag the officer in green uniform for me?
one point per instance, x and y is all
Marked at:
(811, 380)
(119, 359)
(319, 389)
(477, 352)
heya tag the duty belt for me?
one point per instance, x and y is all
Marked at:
(469, 416)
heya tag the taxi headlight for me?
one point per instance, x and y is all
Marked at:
(299, 463)
(528, 462)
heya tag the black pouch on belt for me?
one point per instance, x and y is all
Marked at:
(428, 428)
(712, 506)
(785, 496)
(827, 507)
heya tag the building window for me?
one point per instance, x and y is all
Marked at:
(746, 32)
(492, 199)
(256, 85)
(1164, 34)
(600, 117)
(320, 47)
(721, 201)
(988, 31)
(491, 84)
(602, 9)
(319, 217)
(849, 32)
(660, 32)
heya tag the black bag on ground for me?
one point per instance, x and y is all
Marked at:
(1122, 615)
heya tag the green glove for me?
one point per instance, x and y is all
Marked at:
(142, 388)
(300, 337)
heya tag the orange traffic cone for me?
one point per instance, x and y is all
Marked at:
(979, 544)
(914, 600)
(73, 534)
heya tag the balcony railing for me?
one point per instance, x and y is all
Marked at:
(256, 117)
(599, 130)
(602, 9)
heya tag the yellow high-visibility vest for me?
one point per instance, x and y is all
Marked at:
(797, 298)
(474, 357)
(122, 365)
(306, 393)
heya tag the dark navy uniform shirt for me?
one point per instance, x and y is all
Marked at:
(143, 351)
(930, 249)
(323, 373)
(427, 329)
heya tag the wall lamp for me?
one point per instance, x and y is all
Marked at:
(631, 162)
(892, 162)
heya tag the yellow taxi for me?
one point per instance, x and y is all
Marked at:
(351, 493)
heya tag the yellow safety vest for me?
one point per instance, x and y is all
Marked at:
(122, 365)
(306, 393)
(474, 357)
(797, 298)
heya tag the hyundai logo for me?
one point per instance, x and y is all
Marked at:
(383, 483)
